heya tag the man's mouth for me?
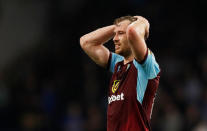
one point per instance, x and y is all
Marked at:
(117, 47)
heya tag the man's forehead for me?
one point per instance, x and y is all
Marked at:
(122, 25)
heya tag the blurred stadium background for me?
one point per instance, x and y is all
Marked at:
(47, 83)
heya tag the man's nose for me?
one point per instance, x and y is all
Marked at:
(116, 39)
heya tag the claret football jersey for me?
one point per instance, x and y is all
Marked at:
(131, 93)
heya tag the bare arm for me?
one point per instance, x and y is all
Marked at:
(137, 32)
(92, 44)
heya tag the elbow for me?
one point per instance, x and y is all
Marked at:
(130, 32)
(83, 42)
(134, 32)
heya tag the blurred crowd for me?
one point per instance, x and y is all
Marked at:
(54, 86)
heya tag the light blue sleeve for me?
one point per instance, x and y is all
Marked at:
(148, 70)
(115, 58)
(150, 66)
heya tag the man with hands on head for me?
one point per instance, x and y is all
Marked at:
(135, 71)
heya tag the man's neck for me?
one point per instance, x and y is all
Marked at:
(128, 59)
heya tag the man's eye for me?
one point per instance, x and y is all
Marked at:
(121, 32)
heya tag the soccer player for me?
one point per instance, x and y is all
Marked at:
(135, 71)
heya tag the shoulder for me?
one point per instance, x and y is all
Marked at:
(113, 60)
(149, 66)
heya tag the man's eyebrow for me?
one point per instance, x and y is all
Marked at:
(119, 30)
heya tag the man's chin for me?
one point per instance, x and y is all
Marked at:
(118, 52)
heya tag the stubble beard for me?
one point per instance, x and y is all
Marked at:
(124, 53)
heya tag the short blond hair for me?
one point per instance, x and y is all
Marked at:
(128, 17)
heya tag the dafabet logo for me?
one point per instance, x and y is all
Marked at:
(113, 98)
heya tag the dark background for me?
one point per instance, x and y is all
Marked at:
(47, 83)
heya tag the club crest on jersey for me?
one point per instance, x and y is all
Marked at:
(115, 85)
